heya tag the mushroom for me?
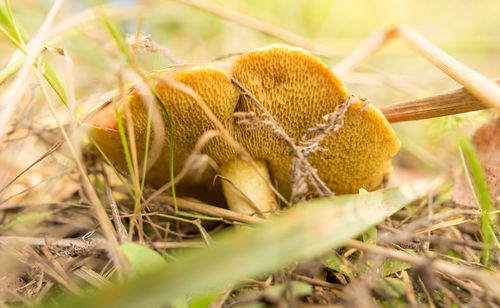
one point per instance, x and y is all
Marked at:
(298, 90)
(245, 185)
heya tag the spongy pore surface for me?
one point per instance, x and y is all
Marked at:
(298, 90)
(189, 122)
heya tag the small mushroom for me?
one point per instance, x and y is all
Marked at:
(298, 90)
(245, 187)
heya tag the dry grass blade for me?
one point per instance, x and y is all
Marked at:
(478, 85)
(210, 210)
(9, 100)
(46, 154)
(454, 102)
(261, 26)
(99, 211)
(119, 227)
(377, 77)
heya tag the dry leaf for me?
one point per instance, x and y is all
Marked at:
(486, 141)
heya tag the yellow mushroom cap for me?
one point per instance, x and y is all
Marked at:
(298, 90)
(189, 122)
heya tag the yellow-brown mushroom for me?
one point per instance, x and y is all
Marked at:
(298, 91)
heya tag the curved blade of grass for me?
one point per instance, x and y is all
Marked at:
(126, 149)
(482, 199)
(12, 23)
(305, 231)
(50, 75)
(171, 132)
(116, 34)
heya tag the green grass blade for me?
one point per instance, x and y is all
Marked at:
(116, 34)
(143, 260)
(171, 132)
(12, 39)
(305, 231)
(148, 132)
(11, 69)
(13, 24)
(483, 199)
(126, 149)
(6, 19)
(55, 82)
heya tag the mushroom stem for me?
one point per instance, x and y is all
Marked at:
(246, 189)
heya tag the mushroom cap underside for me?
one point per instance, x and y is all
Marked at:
(298, 90)
(189, 122)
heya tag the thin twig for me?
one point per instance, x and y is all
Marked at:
(428, 294)
(450, 103)
(318, 282)
(44, 155)
(249, 201)
(202, 141)
(218, 303)
(410, 293)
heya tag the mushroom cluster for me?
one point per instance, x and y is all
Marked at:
(295, 88)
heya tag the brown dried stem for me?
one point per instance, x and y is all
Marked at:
(454, 102)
